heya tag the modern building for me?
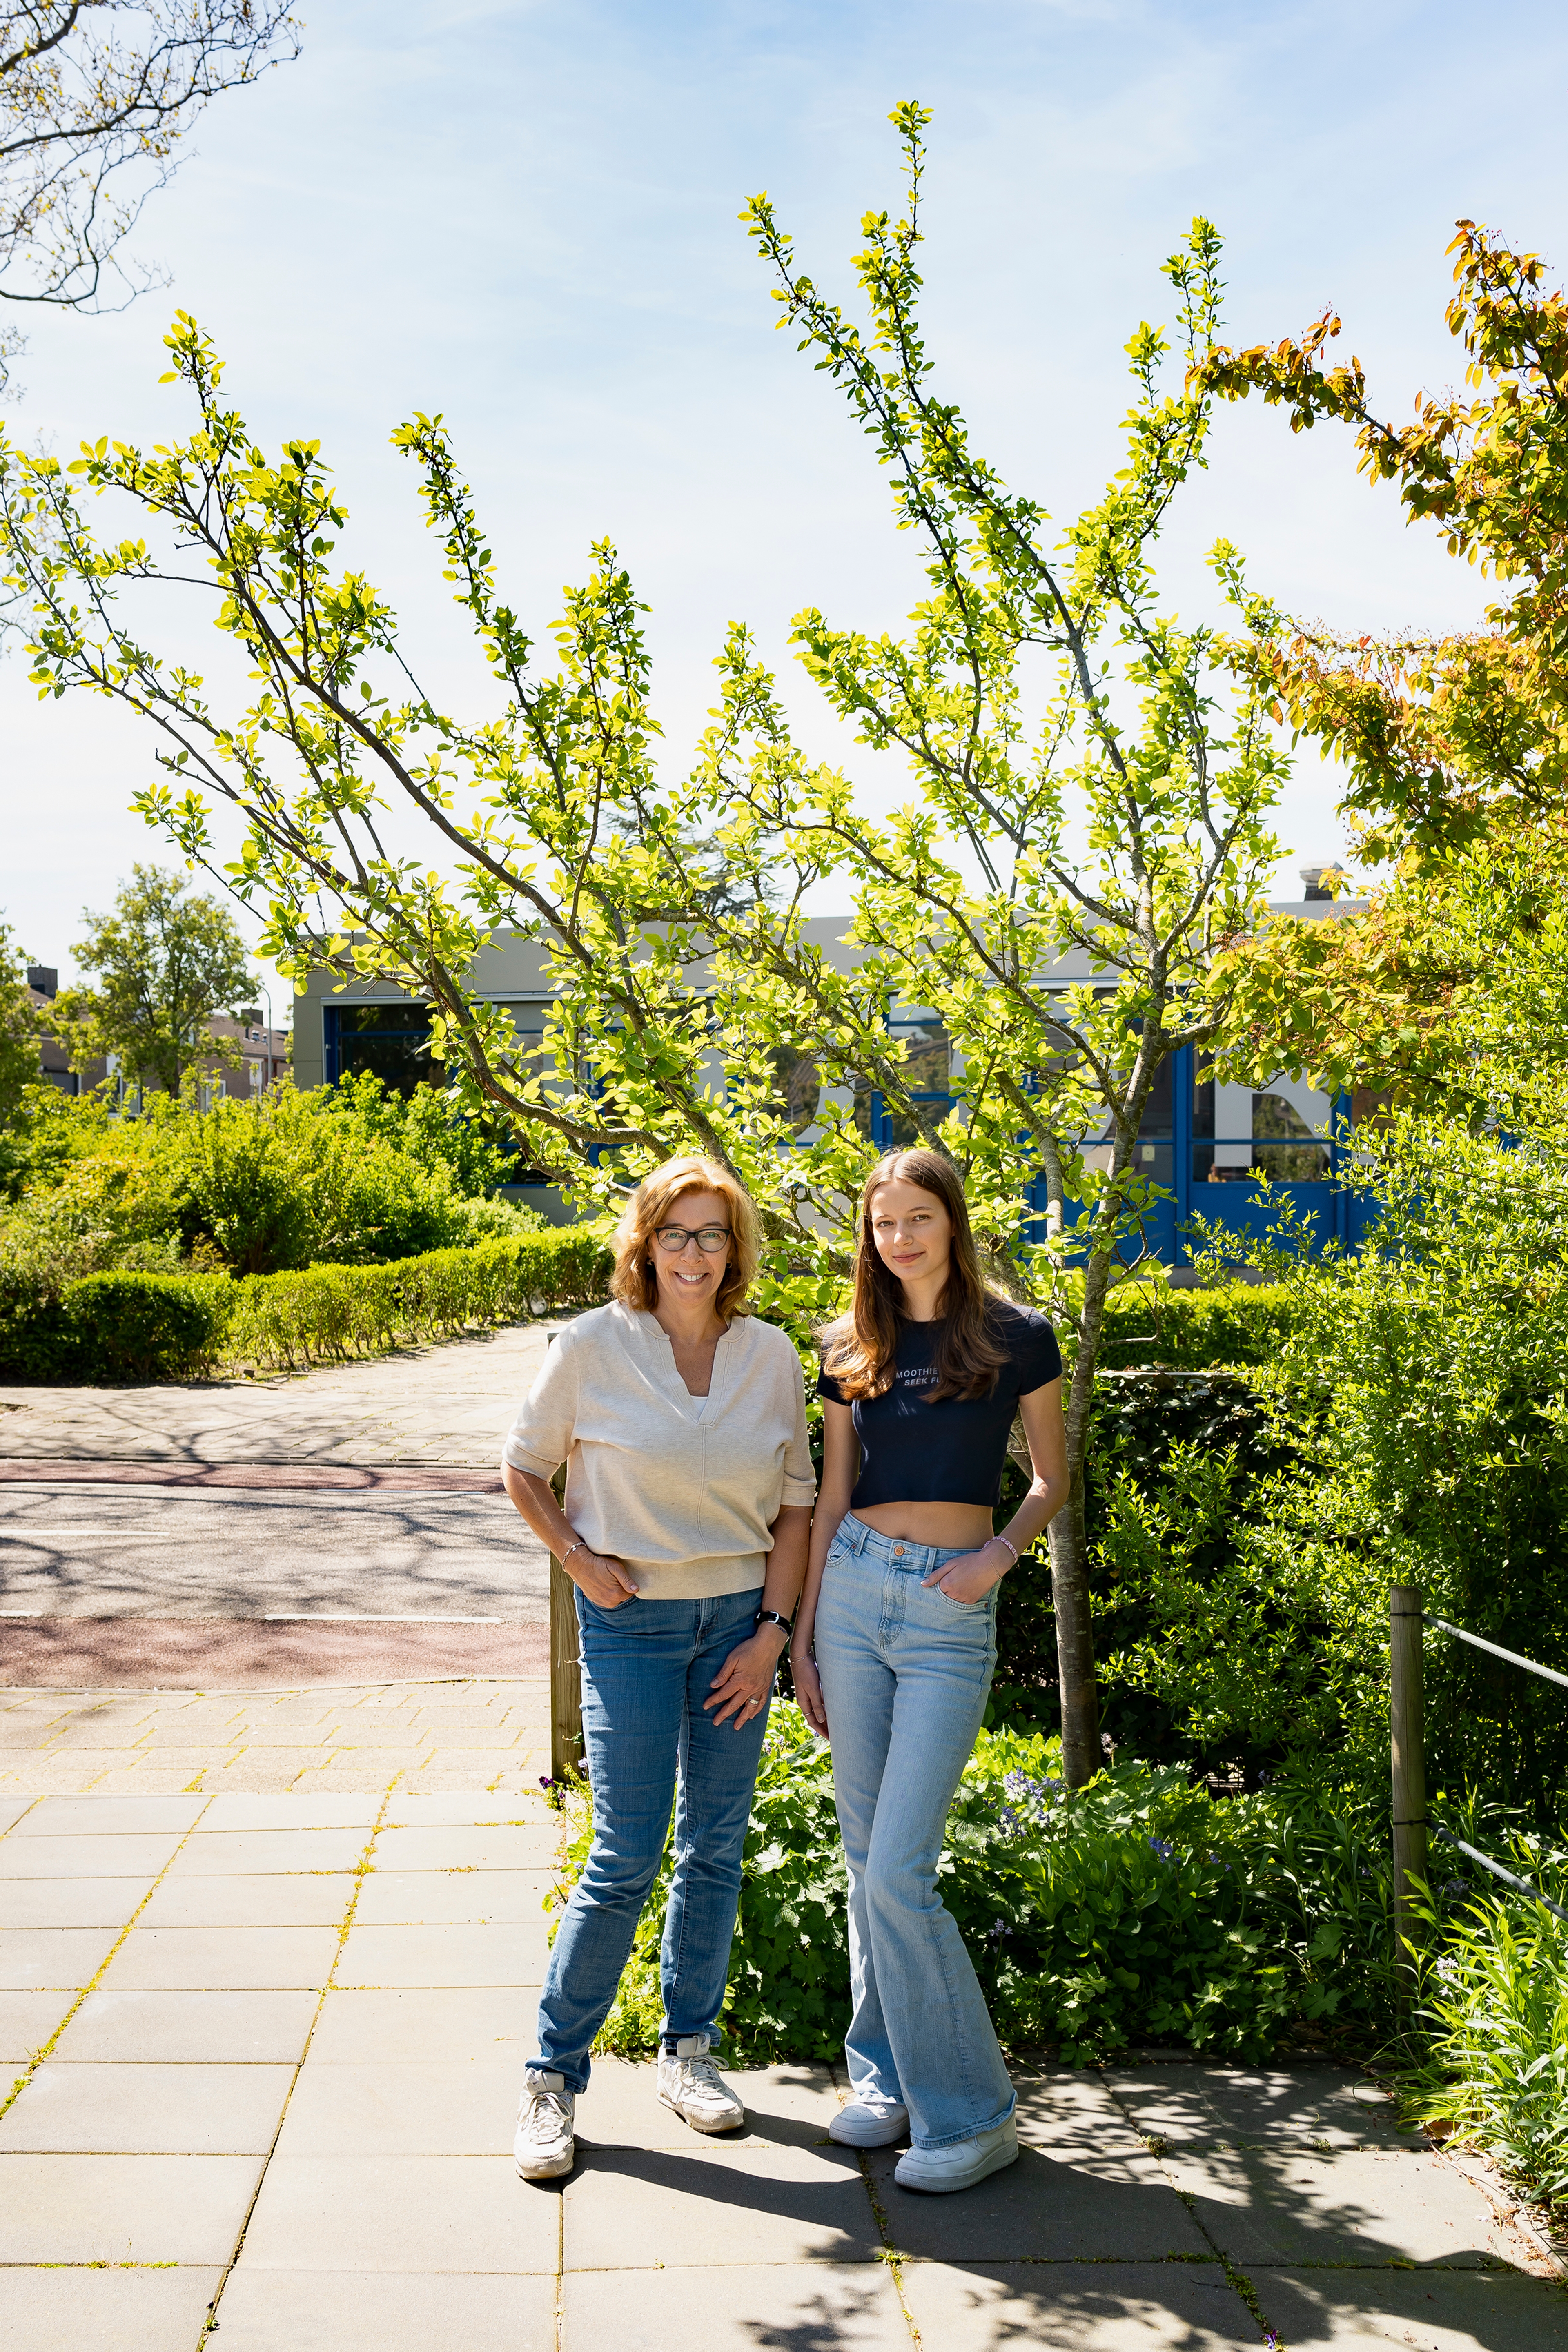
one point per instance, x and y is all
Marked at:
(1205, 1142)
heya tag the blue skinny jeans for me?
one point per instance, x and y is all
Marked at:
(647, 1668)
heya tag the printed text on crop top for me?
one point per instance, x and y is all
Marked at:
(914, 1451)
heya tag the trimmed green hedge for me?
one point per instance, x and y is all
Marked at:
(146, 1327)
(116, 1326)
(1195, 1330)
(336, 1311)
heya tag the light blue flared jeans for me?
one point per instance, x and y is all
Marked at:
(905, 1675)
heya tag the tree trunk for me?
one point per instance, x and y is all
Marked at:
(1082, 1756)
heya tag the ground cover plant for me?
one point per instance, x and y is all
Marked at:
(1138, 1908)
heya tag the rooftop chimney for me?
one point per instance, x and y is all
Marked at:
(45, 978)
(1312, 881)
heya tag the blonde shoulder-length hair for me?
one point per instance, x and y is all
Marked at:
(634, 1281)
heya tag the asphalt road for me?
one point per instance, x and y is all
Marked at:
(80, 1550)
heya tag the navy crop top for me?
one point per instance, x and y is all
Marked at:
(913, 1451)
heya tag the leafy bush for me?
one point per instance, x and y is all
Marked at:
(347, 1175)
(1227, 1324)
(1139, 1908)
(117, 1327)
(124, 1327)
(335, 1311)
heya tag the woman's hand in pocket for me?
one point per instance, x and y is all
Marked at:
(972, 1575)
(603, 1577)
(809, 1689)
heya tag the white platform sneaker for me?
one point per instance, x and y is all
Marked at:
(691, 2083)
(940, 2169)
(869, 2123)
(546, 2141)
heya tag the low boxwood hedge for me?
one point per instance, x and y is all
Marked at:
(162, 1326)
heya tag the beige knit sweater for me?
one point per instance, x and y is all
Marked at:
(688, 1503)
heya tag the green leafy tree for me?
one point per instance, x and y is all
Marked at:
(166, 959)
(18, 1033)
(1451, 991)
(682, 1011)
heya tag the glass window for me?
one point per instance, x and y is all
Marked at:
(1283, 1148)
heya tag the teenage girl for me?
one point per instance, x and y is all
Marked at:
(895, 1642)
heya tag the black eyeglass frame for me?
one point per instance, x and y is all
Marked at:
(678, 1249)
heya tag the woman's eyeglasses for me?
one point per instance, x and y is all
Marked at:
(709, 1239)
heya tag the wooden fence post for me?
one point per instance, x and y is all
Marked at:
(565, 1676)
(565, 1670)
(1409, 1759)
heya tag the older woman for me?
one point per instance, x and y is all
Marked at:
(681, 1418)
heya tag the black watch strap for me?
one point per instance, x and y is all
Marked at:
(772, 1617)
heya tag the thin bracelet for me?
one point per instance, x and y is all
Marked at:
(582, 1545)
(1011, 1546)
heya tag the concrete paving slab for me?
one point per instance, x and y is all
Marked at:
(236, 1808)
(709, 2206)
(1430, 2311)
(306, 1901)
(400, 1898)
(148, 2110)
(69, 1902)
(405, 2025)
(26, 2021)
(1333, 2106)
(1114, 2208)
(786, 2106)
(232, 1854)
(122, 2209)
(136, 1855)
(1277, 2206)
(403, 2311)
(454, 2107)
(403, 2213)
(498, 1846)
(222, 1959)
(468, 1955)
(109, 2310)
(113, 1816)
(1070, 2109)
(190, 2029)
(1078, 2307)
(36, 1959)
(815, 2306)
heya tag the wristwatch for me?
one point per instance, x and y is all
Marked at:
(771, 1617)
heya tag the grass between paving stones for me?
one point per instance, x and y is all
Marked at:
(37, 2057)
(362, 1871)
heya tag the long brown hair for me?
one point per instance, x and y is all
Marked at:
(660, 1192)
(858, 1349)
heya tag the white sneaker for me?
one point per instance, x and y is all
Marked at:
(939, 2169)
(869, 2123)
(691, 2083)
(546, 2142)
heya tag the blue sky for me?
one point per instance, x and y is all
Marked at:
(524, 215)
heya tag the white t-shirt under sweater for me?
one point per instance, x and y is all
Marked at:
(684, 1489)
